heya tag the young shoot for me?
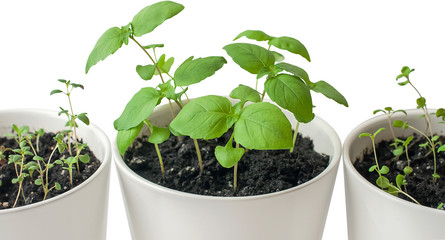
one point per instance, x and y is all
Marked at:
(259, 125)
(290, 90)
(388, 111)
(172, 86)
(430, 144)
(382, 181)
(421, 101)
(72, 117)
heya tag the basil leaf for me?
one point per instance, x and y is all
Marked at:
(292, 94)
(263, 126)
(193, 71)
(138, 108)
(107, 44)
(292, 45)
(250, 57)
(154, 15)
(330, 92)
(126, 137)
(206, 117)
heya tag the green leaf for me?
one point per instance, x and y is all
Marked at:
(365, 135)
(38, 182)
(441, 149)
(297, 71)
(55, 91)
(405, 73)
(377, 132)
(154, 15)
(407, 170)
(163, 65)
(250, 57)
(292, 94)
(384, 170)
(254, 35)
(278, 56)
(57, 186)
(372, 168)
(398, 151)
(138, 108)
(398, 123)
(440, 113)
(270, 71)
(167, 90)
(146, 72)
(421, 102)
(263, 126)
(84, 118)
(195, 70)
(400, 180)
(126, 137)
(84, 158)
(382, 182)
(206, 117)
(245, 93)
(228, 156)
(292, 45)
(107, 44)
(154, 46)
(330, 92)
(159, 134)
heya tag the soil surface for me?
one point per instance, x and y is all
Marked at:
(420, 184)
(259, 172)
(32, 192)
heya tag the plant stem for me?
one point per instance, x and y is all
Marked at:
(160, 160)
(49, 161)
(235, 177)
(432, 148)
(235, 173)
(158, 152)
(157, 69)
(198, 153)
(295, 136)
(406, 194)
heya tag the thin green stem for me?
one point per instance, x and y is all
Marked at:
(432, 148)
(295, 136)
(161, 163)
(235, 172)
(157, 69)
(158, 152)
(198, 153)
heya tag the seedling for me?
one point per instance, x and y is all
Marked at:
(26, 159)
(388, 111)
(259, 125)
(138, 110)
(72, 117)
(382, 181)
(291, 90)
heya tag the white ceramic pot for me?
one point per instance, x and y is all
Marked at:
(80, 213)
(156, 212)
(374, 214)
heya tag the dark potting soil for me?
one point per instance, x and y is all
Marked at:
(420, 184)
(32, 192)
(259, 172)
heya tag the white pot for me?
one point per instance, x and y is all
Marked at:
(156, 212)
(374, 214)
(80, 213)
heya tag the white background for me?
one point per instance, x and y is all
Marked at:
(357, 46)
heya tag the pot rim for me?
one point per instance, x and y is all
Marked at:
(99, 133)
(349, 167)
(334, 161)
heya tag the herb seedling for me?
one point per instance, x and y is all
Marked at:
(72, 117)
(289, 90)
(382, 181)
(388, 111)
(139, 108)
